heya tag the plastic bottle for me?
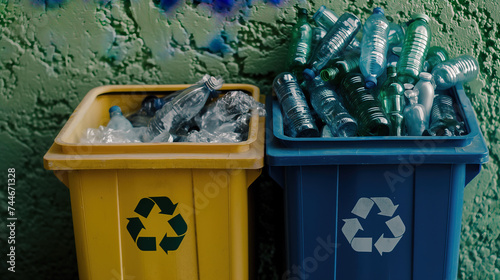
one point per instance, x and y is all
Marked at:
(150, 104)
(415, 47)
(182, 108)
(460, 69)
(294, 106)
(327, 104)
(393, 101)
(117, 121)
(444, 119)
(414, 115)
(300, 44)
(374, 47)
(326, 18)
(396, 35)
(318, 35)
(435, 56)
(340, 68)
(372, 120)
(333, 44)
(425, 88)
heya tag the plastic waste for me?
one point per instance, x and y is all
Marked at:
(300, 44)
(327, 105)
(460, 69)
(435, 56)
(414, 115)
(340, 68)
(294, 106)
(333, 44)
(415, 47)
(425, 88)
(393, 101)
(374, 47)
(149, 106)
(444, 118)
(181, 109)
(396, 35)
(371, 119)
(326, 18)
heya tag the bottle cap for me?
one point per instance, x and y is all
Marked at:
(420, 16)
(214, 83)
(378, 10)
(308, 74)
(370, 82)
(158, 103)
(319, 12)
(425, 76)
(411, 94)
(115, 109)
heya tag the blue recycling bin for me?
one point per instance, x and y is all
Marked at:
(374, 207)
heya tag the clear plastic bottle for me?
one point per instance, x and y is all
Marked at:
(300, 44)
(374, 47)
(340, 68)
(294, 106)
(460, 69)
(444, 118)
(318, 35)
(435, 56)
(149, 106)
(393, 101)
(371, 119)
(425, 88)
(414, 115)
(117, 121)
(333, 44)
(327, 104)
(415, 47)
(181, 109)
(396, 35)
(326, 18)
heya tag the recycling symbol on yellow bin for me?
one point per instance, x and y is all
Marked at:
(384, 244)
(167, 243)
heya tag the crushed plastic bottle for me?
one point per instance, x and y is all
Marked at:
(371, 119)
(374, 47)
(415, 47)
(327, 105)
(444, 118)
(414, 115)
(326, 18)
(435, 56)
(340, 68)
(460, 69)
(181, 109)
(294, 106)
(300, 44)
(393, 101)
(149, 106)
(425, 88)
(333, 44)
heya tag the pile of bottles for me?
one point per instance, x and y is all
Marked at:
(391, 83)
(183, 116)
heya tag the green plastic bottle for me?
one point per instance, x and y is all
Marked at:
(392, 99)
(341, 67)
(415, 48)
(300, 44)
(435, 55)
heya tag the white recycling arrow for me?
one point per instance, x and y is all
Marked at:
(396, 226)
(350, 228)
(362, 244)
(362, 207)
(387, 208)
(386, 245)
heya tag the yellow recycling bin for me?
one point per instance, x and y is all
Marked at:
(156, 210)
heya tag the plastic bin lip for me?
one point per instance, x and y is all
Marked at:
(77, 120)
(282, 150)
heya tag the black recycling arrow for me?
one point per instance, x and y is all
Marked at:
(165, 204)
(178, 224)
(171, 243)
(134, 226)
(146, 243)
(144, 207)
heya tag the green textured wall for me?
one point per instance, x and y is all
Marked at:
(53, 52)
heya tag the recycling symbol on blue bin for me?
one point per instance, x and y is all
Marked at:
(148, 243)
(384, 244)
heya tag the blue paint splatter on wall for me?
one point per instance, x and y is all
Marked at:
(219, 6)
(217, 45)
(166, 5)
(273, 2)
